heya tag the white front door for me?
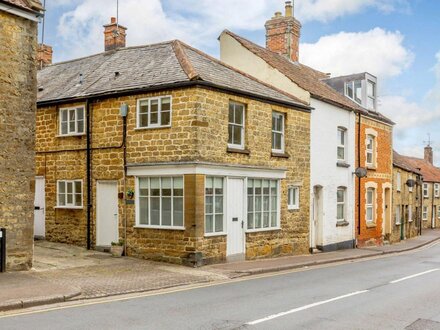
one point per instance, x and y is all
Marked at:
(317, 215)
(39, 208)
(107, 219)
(235, 218)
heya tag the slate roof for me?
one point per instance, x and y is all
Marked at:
(430, 172)
(32, 5)
(306, 77)
(404, 163)
(163, 65)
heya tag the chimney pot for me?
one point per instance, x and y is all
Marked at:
(278, 14)
(289, 9)
(113, 20)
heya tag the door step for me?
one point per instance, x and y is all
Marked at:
(316, 251)
(102, 249)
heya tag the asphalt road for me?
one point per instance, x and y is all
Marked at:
(396, 292)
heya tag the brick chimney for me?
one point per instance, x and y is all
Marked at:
(283, 33)
(44, 56)
(114, 35)
(429, 157)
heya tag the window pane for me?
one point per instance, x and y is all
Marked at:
(341, 153)
(350, 89)
(258, 203)
(154, 118)
(166, 104)
(218, 204)
(273, 219)
(371, 89)
(273, 203)
(273, 187)
(143, 208)
(69, 187)
(219, 223)
(64, 128)
(218, 185)
(71, 121)
(266, 203)
(238, 115)
(166, 211)
(369, 214)
(64, 115)
(155, 211)
(78, 200)
(155, 186)
(178, 186)
(340, 196)
(257, 184)
(230, 134)
(166, 186)
(165, 118)
(69, 199)
(257, 220)
(237, 135)
(340, 212)
(143, 120)
(143, 187)
(358, 91)
(154, 106)
(276, 141)
(250, 185)
(143, 107)
(209, 205)
(231, 112)
(266, 219)
(61, 199)
(266, 187)
(209, 224)
(250, 221)
(178, 211)
(78, 185)
(80, 113)
(81, 126)
(369, 197)
(250, 203)
(209, 185)
(61, 187)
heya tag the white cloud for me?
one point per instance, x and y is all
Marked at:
(377, 51)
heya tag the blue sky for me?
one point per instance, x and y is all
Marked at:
(392, 39)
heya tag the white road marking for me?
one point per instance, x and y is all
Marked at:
(299, 309)
(415, 275)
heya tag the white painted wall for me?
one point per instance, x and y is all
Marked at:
(324, 125)
(326, 119)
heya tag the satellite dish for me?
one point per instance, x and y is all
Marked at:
(411, 183)
(361, 172)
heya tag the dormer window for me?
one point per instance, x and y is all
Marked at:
(371, 95)
(353, 90)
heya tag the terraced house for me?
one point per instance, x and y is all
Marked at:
(407, 200)
(18, 93)
(184, 157)
(337, 135)
(430, 189)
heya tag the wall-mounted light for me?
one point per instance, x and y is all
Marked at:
(123, 110)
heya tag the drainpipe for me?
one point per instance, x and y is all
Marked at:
(89, 174)
(432, 208)
(124, 144)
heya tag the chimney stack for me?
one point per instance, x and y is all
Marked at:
(429, 156)
(114, 35)
(44, 56)
(283, 33)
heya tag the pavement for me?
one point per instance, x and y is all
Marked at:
(401, 291)
(63, 272)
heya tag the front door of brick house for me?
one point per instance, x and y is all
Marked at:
(39, 208)
(235, 219)
(107, 219)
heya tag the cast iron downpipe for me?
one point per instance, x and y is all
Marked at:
(89, 174)
(433, 212)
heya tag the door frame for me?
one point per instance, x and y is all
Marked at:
(44, 208)
(97, 207)
(317, 219)
(244, 214)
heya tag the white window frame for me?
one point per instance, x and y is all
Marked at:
(278, 207)
(342, 132)
(343, 203)
(354, 97)
(283, 116)
(398, 181)
(436, 190)
(425, 213)
(410, 189)
(214, 233)
(159, 112)
(371, 97)
(398, 218)
(74, 193)
(370, 151)
(243, 126)
(293, 203)
(372, 205)
(137, 198)
(410, 214)
(425, 190)
(76, 132)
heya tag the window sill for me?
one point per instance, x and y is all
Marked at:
(397, 224)
(292, 208)
(152, 127)
(371, 168)
(158, 227)
(68, 207)
(342, 223)
(250, 231)
(371, 225)
(342, 164)
(215, 234)
(425, 219)
(238, 151)
(280, 154)
(70, 135)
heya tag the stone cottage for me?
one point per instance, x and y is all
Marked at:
(407, 200)
(334, 131)
(184, 157)
(430, 188)
(18, 93)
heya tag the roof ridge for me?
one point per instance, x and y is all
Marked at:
(184, 61)
(243, 73)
